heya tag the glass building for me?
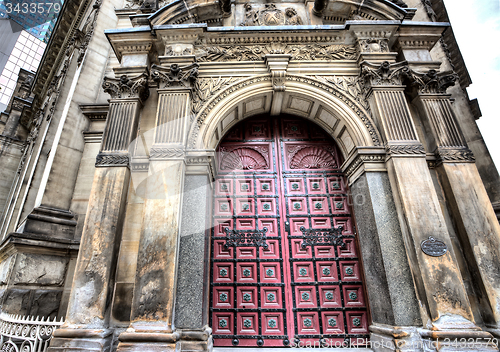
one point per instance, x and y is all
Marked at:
(26, 54)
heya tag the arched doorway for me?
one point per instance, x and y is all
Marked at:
(284, 261)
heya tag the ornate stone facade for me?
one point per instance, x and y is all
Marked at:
(122, 152)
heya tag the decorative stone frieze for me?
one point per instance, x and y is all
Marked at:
(125, 87)
(166, 153)
(175, 76)
(455, 155)
(405, 149)
(313, 51)
(111, 160)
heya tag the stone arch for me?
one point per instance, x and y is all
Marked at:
(337, 113)
(193, 11)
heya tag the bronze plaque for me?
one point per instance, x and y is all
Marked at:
(434, 247)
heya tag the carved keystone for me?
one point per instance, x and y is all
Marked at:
(277, 64)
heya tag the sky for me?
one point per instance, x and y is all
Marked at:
(476, 24)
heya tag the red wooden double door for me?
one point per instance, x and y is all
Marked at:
(274, 281)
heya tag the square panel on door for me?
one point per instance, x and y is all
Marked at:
(246, 297)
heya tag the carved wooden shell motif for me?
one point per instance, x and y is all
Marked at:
(313, 158)
(243, 159)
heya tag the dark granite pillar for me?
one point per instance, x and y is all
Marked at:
(193, 280)
(389, 281)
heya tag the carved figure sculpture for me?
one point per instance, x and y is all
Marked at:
(250, 16)
(292, 18)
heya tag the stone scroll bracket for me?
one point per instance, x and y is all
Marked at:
(277, 64)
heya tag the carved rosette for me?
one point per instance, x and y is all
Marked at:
(175, 76)
(385, 74)
(433, 82)
(125, 87)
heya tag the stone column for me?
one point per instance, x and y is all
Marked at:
(152, 314)
(440, 287)
(86, 326)
(471, 208)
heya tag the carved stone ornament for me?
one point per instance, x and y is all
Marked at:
(360, 160)
(304, 52)
(270, 16)
(356, 108)
(430, 11)
(385, 74)
(175, 76)
(205, 88)
(125, 87)
(433, 82)
(374, 45)
(165, 153)
(111, 160)
(350, 85)
(455, 155)
(145, 6)
(81, 37)
(403, 149)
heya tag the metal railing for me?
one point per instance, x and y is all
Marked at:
(26, 334)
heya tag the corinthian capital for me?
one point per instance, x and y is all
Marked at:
(433, 82)
(385, 74)
(175, 76)
(125, 87)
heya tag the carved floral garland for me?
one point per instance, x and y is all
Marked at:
(314, 51)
